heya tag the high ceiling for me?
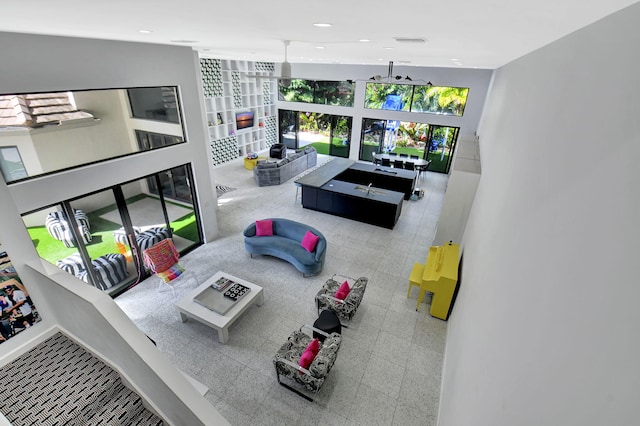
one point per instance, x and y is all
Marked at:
(457, 33)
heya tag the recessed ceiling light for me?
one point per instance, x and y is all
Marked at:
(184, 41)
(145, 31)
(388, 48)
(320, 47)
(365, 40)
(322, 24)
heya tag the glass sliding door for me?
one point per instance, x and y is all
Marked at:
(340, 136)
(158, 216)
(78, 236)
(441, 143)
(392, 136)
(100, 237)
(372, 138)
(288, 128)
(174, 183)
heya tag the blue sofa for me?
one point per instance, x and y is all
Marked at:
(286, 245)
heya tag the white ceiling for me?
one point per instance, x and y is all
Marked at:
(459, 33)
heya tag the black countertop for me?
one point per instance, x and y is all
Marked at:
(375, 194)
(325, 173)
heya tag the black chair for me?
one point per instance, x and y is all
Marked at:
(398, 164)
(392, 153)
(404, 155)
(414, 157)
(385, 162)
(375, 160)
(278, 150)
(409, 165)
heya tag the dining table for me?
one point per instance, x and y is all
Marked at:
(416, 162)
(419, 164)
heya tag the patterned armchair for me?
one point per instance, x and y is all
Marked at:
(346, 308)
(287, 358)
(59, 228)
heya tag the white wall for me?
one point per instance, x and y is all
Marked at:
(40, 64)
(545, 327)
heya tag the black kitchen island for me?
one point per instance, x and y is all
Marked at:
(362, 192)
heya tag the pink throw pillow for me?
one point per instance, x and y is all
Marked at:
(264, 228)
(314, 346)
(309, 353)
(309, 241)
(306, 359)
(343, 291)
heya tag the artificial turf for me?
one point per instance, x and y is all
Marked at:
(102, 241)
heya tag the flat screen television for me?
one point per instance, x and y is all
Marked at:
(244, 119)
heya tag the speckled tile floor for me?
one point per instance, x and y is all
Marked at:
(389, 366)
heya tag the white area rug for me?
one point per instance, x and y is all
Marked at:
(146, 213)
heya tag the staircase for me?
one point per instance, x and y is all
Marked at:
(59, 383)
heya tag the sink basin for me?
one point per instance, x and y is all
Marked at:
(368, 190)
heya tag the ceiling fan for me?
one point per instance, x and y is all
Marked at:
(285, 69)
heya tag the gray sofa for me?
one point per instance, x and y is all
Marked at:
(268, 173)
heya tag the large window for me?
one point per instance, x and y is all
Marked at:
(395, 97)
(62, 130)
(339, 93)
(439, 100)
(416, 98)
(11, 164)
(154, 103)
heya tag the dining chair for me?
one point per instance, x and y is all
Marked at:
(398, 164)
(375, 160)
(404, 155)
(422, 168)
(392, 153)
(409, 165)
(414, 157)
(385, 162)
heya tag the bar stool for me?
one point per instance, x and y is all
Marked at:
(298, 186)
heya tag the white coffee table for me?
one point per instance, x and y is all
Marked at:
(190, 309)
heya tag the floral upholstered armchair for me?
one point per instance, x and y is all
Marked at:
(344, 308)
(287, 360)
